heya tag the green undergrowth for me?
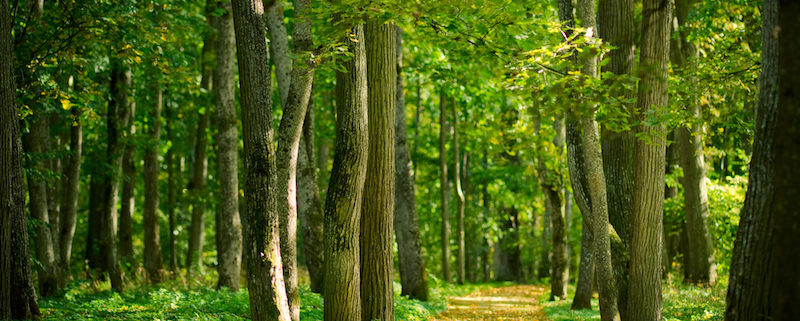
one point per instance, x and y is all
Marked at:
(197, 300)
(681, 302)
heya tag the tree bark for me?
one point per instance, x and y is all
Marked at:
(444, 185)
(279, 48)
(265, 282)
(71, 183)
(152, 240)
(128, 188)
(309, 205)
(459, 196)
(377, 293)
(413, 278)
(17, 295)
(342, 291)
(228, 222)
(648, 198)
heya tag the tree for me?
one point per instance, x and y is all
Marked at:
(152, 240)
(342, 291)
(644, 298)
(309, 205)
(264, 280)
(71, 182)
(128, 197)
(406, 223)
(459, 195)
(17, 296)
(228, 223)
(444, 185)
(377, 294)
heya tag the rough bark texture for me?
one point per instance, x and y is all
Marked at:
(229, 226)
(71, 182)
(699, 259)
(17, 296)
(546, 246)
(264, 269)
(444, 207)
(787, 155)
(644, 300)
(577, 174)
(152, 238)
(616, 27)
(752, 278)
(279, 47)
(289, 133)
(128, 188)
(309, 205)
(36, 143)
(460, 200)
(378, 209)
(406, 223)
(342, 291)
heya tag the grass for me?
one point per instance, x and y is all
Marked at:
(681, 302)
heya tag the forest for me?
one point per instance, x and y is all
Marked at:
(348, 160)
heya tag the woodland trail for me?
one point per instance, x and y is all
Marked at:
(516, 302)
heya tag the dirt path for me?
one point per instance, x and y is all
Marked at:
(516, 302)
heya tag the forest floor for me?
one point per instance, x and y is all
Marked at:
(515, 302)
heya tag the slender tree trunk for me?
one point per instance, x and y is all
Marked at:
(116, 117)
(487, 267)
(409, 248)
(279, 48)
(616, 27)
(264, 280)
(152, 240)
(546, 245)
(459, 196)
(343, 204)
(128, 188)
(309, 205)
(754, 266)
(71, 182)
(377, 230)
(229, 225)
(444, 185)
(648, 198)
(578, 178)
(17, 295)
(36, 143)
(169, 158)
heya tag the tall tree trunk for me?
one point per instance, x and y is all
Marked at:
(17, 295)
(596, 185)
(289, 133)
(309, 205)
(117, 116)
(787, 156)
(700, 266)
(648, 198)
(169, 158)
(406, 223)
(69, 188)
(376, 260)
(487, 267)
(128, 188)
(459, 196)
(152, 241)
(343, 204)
(444, 208)
(578, 179)
(616, 27)
(754, 265)
(279, 48)
(36, 143)
(546, 245)
(229, 225)
(264, 279)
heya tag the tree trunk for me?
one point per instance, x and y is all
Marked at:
(36, 143)
(487, 267)
(377, 210)
(17, 295)
(228, 222)
(309, 205)
(128, 188)
(409, 248)
(71, 183)
(786, 171)
(291, 128)
(117, 116)
(459, 196)
(152, 241)
(546, 245)
(578, 179)
(343, 204)
(700, 266)
(754, 267)
(264, 279)
(648, 198)
(169, 158)
(444, 186)
(616, 27)
(279, 48)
